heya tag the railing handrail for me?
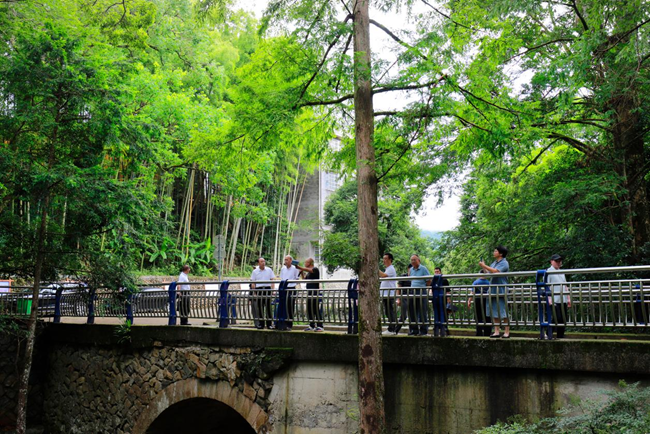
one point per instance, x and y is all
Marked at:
(568, 271)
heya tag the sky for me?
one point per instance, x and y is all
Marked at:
(431, 217)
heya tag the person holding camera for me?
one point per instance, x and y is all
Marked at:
(497, 300)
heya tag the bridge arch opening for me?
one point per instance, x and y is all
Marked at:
(200, 416)
(197, 402)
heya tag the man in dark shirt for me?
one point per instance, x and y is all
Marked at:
(314, 308)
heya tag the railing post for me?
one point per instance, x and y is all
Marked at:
(129, 307)
(172, 304)
(639, 316)
(223, 305)
(91, 307)
(438, 306)
(543, 305)
(282, 306)
(57, 305)
(353, 307)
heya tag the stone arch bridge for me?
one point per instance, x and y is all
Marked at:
(197, 379)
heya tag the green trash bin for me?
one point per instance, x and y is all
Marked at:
(24, 306)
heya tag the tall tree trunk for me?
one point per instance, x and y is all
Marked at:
(628, 139)
(23, 386)
(295, 217)
(371, 376)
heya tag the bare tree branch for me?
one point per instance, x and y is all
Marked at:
(536, 47)
(614, 40)
(396, 38)
(446, 16)
(374, 91)
(322, 62)
(534, 160)
(574, 6)
(467, 92)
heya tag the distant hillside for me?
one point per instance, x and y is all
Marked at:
(434, 235)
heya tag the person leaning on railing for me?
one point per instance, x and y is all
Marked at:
(496, 307)
(561, 298)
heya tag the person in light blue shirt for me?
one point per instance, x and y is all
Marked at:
(388, 291)
(496, 307)
(419, 299)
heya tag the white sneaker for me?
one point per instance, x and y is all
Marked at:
(386, 332)
(319, 329)
(309, 329)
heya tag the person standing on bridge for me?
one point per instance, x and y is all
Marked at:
(481, 290)
(388, 293)
(496, 307)
(419, 304)
(403, 301)
(262, 294)
(290, 272)
(314, 300)
(449, 306)
(561, 298)
(184, 295)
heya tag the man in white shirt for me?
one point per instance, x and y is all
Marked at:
(561, 297)
(290, 272)
(183, 298)
(262, 293)
(388, 292)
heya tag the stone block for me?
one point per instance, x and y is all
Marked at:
(249, 392)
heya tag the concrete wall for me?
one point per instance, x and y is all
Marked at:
(313, 398)
(307, 382)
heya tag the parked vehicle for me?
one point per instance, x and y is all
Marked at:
(151, 300)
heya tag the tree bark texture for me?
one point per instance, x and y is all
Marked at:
(628, 140)
(371, 379)
(23, 386)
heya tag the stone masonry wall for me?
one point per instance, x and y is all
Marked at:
(106, 389)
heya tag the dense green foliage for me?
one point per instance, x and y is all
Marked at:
(127, 127)
(556, 118)
(397, 234)
(147, 128)
(624, 411)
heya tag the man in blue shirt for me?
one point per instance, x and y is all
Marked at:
(419, 299)
(496, 307)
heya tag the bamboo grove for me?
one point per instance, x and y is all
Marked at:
(137, 126)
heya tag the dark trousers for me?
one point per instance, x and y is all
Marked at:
(560, 317)
(291, 306)
(183, 302)
(391, 313)
(418, 312)
(480, 317)
(439, 314)
(231, 302)
(641, 310)
(403, 313)
(262, 301)
(314, 309)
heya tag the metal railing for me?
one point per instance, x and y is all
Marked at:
(618, 297)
